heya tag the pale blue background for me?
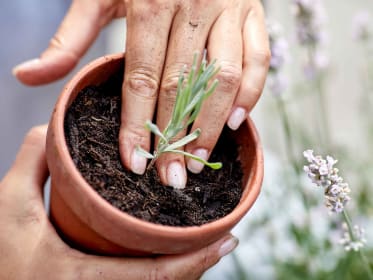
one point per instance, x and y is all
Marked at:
(26, 27)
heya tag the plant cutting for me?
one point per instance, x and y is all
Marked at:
(190, 94)
(89, 220)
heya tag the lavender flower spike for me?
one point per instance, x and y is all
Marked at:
(323, 174)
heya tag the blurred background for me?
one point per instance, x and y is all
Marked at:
(318, 96)
(26, 27)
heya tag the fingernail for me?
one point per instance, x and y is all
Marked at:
(236, 118)
(176, 176)
(196, 166)
(138, 163)
(27, 64)
(228, 246)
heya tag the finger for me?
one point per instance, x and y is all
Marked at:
(188, 266)
(146, 50)
(188, 36)
(76, 33)
(255, 67)
(26, 177)
(224, 45)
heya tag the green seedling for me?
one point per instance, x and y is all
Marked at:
(190, 94)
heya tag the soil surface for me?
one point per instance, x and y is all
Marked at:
(91, 128)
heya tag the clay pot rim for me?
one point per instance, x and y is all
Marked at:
(247, 200)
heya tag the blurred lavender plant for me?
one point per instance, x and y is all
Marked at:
(362, 32)
(310, 18)
(279, 55)
(350, 244)
(362, 26)
(323, 174)
(308, 238)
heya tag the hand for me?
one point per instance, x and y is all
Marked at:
(162, 36)
(31, 249)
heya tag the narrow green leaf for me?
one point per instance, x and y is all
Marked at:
(202, 80)
(185, 140)
(213, 165)
(179, 96)
(154, 128)
(144, 153)
(211, 89)
(194, 114)
(196, 101)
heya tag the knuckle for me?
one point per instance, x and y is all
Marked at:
(143, 82)
(262, 57)
(58, 44)
(229, 77)
(252, 90)
(135, 133)
(169, 84)
(255, 92)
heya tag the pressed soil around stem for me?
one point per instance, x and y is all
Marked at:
(91, 129)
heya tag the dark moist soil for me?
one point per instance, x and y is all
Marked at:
(91, 129)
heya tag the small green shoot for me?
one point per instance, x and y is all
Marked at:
(190, 94)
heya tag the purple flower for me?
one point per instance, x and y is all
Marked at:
(310, 17)
(323, 174)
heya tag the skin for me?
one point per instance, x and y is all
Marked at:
(162, 37)
(31, 249)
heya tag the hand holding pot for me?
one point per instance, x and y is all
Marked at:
(31, 249)
(162, 36)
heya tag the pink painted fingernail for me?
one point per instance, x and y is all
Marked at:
(196, 166)
(176, 176)
(228, 246)
(26, 65)
(138, 163)
(236, 118)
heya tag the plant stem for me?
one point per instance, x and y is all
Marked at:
(323, 120)
(290, 146)
(151, 163)
(347, 219)
(366, 264)
(363, 257)
(288, 133)
(324, 123)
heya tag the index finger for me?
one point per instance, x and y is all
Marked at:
(75, 35)
(145, 54)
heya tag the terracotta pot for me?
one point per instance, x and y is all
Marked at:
(89, 222)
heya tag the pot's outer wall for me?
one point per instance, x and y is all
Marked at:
(88, 222)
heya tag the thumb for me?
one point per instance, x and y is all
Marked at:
(78, 30)
(24, 182)
(194, 264)
(30, 167)
(178, 267)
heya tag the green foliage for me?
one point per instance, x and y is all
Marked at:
(190, 94)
